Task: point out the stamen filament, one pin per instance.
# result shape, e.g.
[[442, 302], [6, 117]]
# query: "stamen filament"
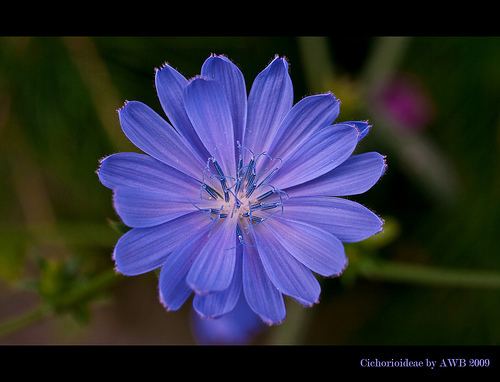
[[213, 193], [269, 206], [268, 177], [265, 195]]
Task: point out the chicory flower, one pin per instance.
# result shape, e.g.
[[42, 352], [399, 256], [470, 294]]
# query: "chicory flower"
[[239, 196]]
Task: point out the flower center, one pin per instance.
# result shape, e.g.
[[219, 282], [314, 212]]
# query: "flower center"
[[248, 195]]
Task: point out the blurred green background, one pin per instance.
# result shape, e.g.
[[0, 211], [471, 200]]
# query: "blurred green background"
[[431, 278]]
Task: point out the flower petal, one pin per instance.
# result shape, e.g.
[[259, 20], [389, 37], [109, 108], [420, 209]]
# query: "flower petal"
[[221, 69], [362, 126], [356, 175], [324, 151], [213, 269], [288, 275], [142, 208], [304, 119], [209, 111], [348, 221], [220, 303], [261, 295], [174, 290], [270, 99], [152, 134], [170, 85], [141, 250], [235, 328], [314, 247], [143, 172]]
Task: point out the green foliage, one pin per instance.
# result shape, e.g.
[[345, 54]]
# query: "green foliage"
[[12, 258]]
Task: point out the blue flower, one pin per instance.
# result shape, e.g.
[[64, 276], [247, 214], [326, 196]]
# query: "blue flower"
[[239, 196], [238, 327]]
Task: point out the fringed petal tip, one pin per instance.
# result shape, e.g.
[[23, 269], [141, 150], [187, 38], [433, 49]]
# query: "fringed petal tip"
[[339, 273], [98, 169], [368, 124], [117, 271], [384, 167], [125, 103], [381, 225], [382, 222], [328, 94], [363, 127], [164, 68], [199, 77], [102, 160], [219, 56], [269, 322], [281, 59], [162, 301], [99, 166], [116, 267], [381, 228], [165, 65], [164, 304], [223, 59], [307, 304]]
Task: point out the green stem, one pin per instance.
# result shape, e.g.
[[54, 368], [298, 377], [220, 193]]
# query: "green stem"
[[386, 55], [426, 275], [78, 295], [24, 320], [318, 67]]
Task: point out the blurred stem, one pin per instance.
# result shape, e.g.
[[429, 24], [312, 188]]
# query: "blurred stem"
[[24, 320], [422, 159], [292, 330], [78, 295], [384, 60], [103, 93], [318, 66], [426, 275]]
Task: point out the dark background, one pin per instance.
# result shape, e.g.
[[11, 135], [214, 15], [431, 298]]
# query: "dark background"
[[440, 195]]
